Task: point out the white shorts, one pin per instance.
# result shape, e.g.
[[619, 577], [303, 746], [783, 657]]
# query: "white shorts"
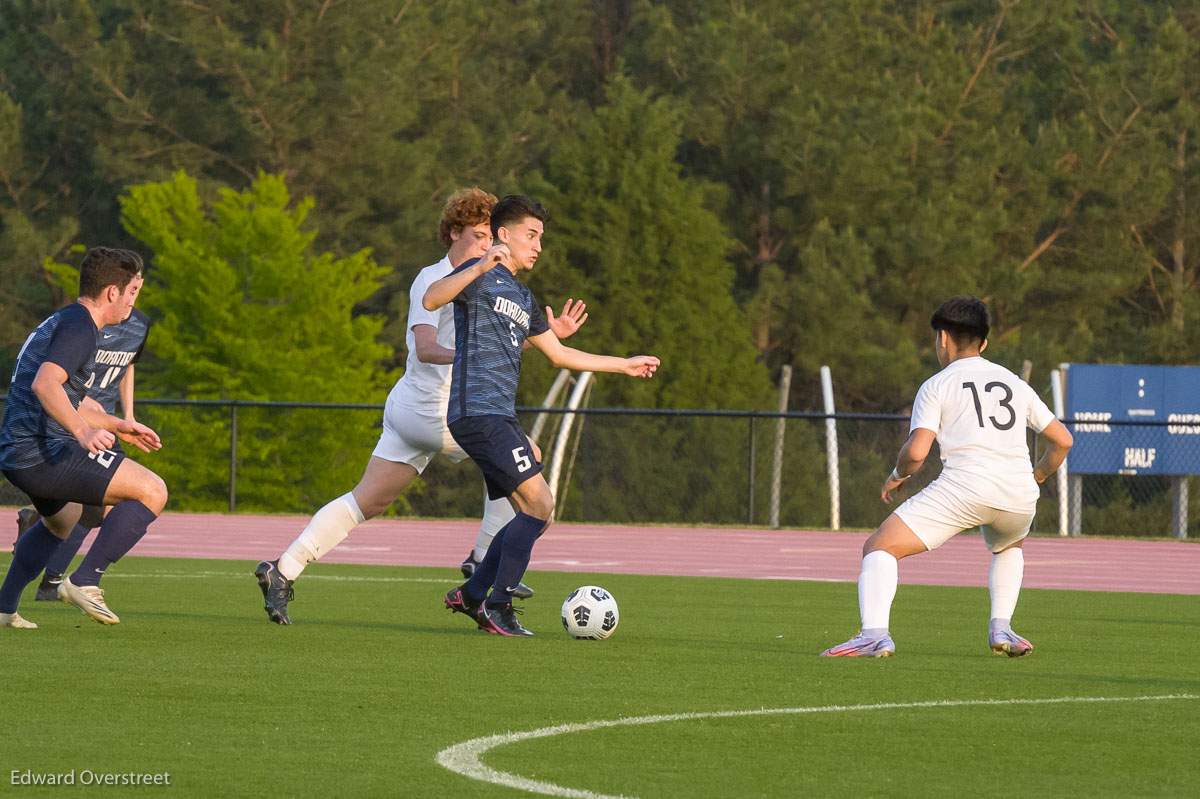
[[414, 438], [940, 512]]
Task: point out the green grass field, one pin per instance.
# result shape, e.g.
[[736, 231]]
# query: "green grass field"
[[376, 678]]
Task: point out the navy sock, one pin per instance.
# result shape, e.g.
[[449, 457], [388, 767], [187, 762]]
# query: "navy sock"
[[485, 573], [30, 556], [123, 527], [523, 530], [60, 561]]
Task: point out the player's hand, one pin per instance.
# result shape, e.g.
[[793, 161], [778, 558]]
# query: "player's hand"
[[641, 366], [571, 319], [890, 485], [496, 254], [537, 451], [96, 440], [139, 435]]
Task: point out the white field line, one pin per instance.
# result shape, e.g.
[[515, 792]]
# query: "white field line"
[[338, 578], [464, 758]]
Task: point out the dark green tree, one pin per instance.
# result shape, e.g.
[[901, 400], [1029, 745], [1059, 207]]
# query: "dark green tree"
[[637, 241]]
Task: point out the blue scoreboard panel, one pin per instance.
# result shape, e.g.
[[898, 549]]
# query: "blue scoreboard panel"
[[1160, 409]]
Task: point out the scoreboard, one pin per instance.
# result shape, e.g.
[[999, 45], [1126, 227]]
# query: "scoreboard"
[[1134, 419]]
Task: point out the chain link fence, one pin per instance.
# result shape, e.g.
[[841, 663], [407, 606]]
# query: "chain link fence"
[[619, 466]]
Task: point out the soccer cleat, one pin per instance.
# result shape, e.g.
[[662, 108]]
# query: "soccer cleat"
[[502, 620], [459, 601], [26, 518], [468, 568], [1006, 642], [14, 620], [89, 599], [277, 591], [861, 646], [47, 590]]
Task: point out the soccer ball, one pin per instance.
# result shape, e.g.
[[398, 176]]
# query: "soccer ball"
[[590, 612]]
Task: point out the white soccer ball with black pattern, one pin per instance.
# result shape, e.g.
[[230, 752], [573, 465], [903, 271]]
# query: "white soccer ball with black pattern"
[[590, 612]]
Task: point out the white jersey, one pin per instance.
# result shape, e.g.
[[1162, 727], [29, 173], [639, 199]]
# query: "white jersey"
[[425, 387], [979, 411]]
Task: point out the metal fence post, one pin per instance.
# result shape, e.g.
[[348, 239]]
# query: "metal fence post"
[[1075, 491], [752, 450], [1179, 506], [233, 437], [1064, 518], [831, 451], [785, 387]]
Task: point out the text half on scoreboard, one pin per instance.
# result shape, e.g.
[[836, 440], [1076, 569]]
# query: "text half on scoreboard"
[[1134, 419]]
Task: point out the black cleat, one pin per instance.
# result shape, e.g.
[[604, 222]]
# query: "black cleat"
[[502, 620], [468, 565], [47, 590], [26, 518], [459, 601], [468, 568], [277, 591]]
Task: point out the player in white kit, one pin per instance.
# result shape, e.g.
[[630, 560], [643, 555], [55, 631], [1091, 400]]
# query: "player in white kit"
[[978, 411], [414, 417]]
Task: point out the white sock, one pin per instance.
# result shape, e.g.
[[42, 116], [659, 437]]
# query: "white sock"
[[496, 514], [1004, 583], [877, 589], [326, 529]]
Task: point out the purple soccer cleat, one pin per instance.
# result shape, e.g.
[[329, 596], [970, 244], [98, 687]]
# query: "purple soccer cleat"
[[1006, 642], [862, 646]]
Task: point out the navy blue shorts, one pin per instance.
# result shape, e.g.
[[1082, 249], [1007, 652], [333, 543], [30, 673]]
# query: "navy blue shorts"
[[76, 475], [500, 448]]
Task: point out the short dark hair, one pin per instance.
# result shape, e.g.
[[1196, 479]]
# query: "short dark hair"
[[965, 319], [107, 266], [512, 208]]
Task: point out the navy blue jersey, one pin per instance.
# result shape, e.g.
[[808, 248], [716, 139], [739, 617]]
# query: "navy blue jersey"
[[29, 436], [492, 318], [117, 346]]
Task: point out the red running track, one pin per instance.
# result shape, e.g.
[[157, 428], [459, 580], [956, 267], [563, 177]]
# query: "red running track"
[[1081, 564]]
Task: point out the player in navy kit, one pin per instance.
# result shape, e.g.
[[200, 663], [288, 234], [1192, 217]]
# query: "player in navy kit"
[[494, 315], [119, 347], [57, 449]]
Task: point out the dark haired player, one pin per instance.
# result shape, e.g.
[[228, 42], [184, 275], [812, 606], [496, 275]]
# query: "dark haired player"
[[58, 450], [494, 315], [414, 419], [119, 347], [978, 412]]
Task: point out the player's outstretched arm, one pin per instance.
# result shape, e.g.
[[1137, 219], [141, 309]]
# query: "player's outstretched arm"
[[1060, 442], [445, 290], [909, 461], [570, 358], [48, 387]]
